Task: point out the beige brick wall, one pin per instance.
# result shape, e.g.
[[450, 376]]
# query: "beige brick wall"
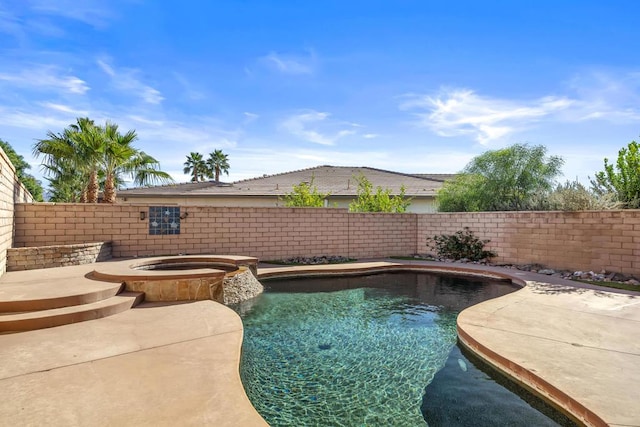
[[11, 191], [267, 233], [568, 240], [587, 240]]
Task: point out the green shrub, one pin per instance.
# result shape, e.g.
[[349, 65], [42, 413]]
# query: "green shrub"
[[461, 244], [573, 196], [305, 195]]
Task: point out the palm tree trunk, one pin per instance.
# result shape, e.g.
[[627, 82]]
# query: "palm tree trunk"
[[92, 188], [217, 174], [109, 195]]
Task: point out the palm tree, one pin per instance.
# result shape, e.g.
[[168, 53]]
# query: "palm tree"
[[83, 152], [119, 158], [196, 166], [218, 162], [66, 185], [74, 151]]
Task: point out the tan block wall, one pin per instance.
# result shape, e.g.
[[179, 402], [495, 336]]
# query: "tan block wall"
[[587, 240], [267, 233], [11, 191], [379, 235], [57, 256]]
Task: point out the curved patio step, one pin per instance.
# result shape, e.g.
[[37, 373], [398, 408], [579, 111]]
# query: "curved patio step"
[[47, 296], [66, 315]]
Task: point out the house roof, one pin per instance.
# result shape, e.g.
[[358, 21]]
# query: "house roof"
[[335, 180], [436, 176]]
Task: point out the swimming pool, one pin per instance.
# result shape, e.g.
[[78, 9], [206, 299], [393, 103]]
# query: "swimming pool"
[[363, 351]]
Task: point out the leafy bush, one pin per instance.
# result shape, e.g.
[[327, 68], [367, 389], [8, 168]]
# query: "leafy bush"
[[305, 195], [378, 200], [461, 244], [573, 196], [621, 178]]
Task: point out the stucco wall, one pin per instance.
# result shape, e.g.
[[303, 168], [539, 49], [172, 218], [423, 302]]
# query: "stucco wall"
[[11, 191]]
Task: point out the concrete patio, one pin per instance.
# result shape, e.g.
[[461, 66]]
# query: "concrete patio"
[[177, 364]]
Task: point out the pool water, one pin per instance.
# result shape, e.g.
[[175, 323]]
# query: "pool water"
[[359, 351]]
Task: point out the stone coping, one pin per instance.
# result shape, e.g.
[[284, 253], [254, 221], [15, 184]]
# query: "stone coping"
[[126, 270]]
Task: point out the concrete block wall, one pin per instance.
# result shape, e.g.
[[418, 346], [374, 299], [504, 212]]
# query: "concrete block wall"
[[11, 191], [586, 240], [590, 240], [267, 233]]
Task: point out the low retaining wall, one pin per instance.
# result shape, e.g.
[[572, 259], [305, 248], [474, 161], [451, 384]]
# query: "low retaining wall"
[[57, 256]]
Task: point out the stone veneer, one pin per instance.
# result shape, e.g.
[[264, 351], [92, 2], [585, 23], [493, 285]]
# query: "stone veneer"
[[57, 256]]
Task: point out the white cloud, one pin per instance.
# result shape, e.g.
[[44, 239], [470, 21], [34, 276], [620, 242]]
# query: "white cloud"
[[291, 64], [463, 112], [250, 117], [306, 126], [64, 108], [46, 77], [91, 12], [370, 135], [593, 95], [126, 80], [606, 95], [35, 120]]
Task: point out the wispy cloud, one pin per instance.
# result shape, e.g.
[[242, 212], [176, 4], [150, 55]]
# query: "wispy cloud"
[[126, 80], [606, 95], [290, 63], [64, 109], [188, 89], [42, 120], [10, 23], [250, 117], [593, 95], [457, 112], [307, 127], [46, 77], [92, 12]]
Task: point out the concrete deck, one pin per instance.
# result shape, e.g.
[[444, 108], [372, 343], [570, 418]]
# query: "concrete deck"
[[161, 364], [153, 365]]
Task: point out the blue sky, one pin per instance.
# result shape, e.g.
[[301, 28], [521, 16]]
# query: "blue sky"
[[412, 86]]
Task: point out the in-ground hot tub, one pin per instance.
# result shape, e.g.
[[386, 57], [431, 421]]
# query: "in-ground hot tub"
[[223, 278]]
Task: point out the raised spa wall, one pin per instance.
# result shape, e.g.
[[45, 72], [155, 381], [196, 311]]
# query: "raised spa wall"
[[229, 279]]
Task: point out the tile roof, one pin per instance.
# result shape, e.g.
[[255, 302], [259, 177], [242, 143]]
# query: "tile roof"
[[336, 180]]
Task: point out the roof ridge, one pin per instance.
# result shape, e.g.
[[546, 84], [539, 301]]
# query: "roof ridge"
[[281, 173], [172, 185], [400, 173]]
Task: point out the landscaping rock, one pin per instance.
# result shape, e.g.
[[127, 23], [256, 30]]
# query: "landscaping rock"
[[317, 260]]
